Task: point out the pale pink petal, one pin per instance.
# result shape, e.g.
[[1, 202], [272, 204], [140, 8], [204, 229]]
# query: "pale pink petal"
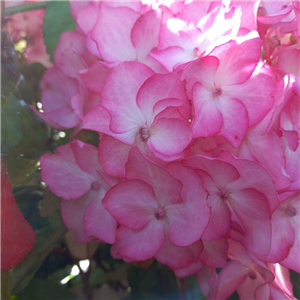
[[86, 18]]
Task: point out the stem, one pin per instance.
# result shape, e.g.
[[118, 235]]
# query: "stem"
[[25, 7]]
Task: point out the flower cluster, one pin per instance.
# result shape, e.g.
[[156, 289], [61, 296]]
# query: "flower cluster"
[[197, 107]]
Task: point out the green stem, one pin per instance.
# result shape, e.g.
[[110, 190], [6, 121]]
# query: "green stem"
[[25, 7]]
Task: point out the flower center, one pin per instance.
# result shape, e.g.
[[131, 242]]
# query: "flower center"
[[223, 195], [217, 91], [95, 185], [144, 133], [159, 213]]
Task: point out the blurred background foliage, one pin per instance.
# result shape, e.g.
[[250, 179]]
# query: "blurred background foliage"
[[59, 267]]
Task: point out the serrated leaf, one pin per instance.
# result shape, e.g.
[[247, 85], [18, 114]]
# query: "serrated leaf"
[[57, 20]]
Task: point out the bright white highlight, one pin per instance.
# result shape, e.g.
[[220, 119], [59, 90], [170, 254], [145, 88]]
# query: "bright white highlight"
[[84, 265]]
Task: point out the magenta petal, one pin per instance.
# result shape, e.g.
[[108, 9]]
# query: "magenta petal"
[[137, 245], [214, 253], [132, 203], [169, 136], [99, 223]]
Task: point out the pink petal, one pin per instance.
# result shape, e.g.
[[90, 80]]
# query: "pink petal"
[[73, 212], [252, 209], [145, 32], [63, 175], [169, 136], [178, 257], [132, 203], [136, 245], [207, 118], [230, 278], [255, 95], [113, 155], [99, 223], [159, 87], [119, 96], [237, 60], [94, 77], [112, 33], [166, 187], [235, 120]]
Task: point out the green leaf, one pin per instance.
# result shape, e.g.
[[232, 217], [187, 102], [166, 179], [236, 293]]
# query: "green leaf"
[[21, 170], [21, 131], [6, 284], [57, 20], [49, 204], [40, 289]]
